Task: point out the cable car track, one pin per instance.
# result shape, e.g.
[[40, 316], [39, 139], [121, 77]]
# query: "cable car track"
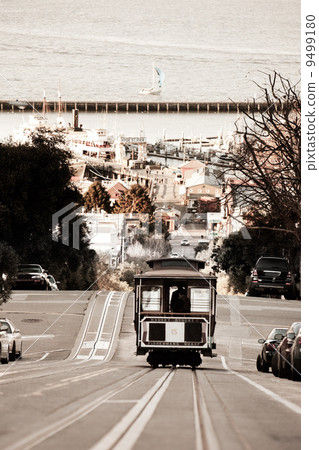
[[126, 433], [99, 346], [63, 418], [128, 429], [204, 431]]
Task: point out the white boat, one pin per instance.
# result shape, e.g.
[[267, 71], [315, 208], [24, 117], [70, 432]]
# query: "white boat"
[[155, 89], [22, 135], [37, 121], [95, 143]]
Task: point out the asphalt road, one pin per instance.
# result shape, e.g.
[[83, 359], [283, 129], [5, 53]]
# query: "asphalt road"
[[192, 232], [80, 386]]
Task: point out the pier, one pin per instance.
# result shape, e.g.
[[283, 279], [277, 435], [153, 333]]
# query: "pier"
[[133, 107]]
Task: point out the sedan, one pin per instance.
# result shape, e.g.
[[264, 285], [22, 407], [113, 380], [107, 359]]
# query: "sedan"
[[268, 349], [296, 358], [14, 339], [4, 345], [281, 362], [185, 242], [31, 276]]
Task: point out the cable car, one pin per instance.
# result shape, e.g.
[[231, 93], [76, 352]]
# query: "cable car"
[[175, 312]]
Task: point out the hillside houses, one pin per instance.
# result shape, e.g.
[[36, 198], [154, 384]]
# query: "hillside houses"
[[201, 184], [190, 168], [116, 189]]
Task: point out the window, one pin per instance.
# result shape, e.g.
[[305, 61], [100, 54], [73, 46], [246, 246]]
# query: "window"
[[179, 263], [151, 298], [6, 324], [272, 264], [200, 299]]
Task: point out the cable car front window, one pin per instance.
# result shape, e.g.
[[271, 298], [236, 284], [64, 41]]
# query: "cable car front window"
[[200, 299], [151, 298]]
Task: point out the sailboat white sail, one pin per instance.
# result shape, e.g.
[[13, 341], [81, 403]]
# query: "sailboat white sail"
[[160, 81]]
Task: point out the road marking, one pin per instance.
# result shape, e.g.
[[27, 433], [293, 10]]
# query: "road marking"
[[19, 297], [38, 336], [255, 324], [88, 344], [296, 409], [235, 347], [257, 307], [244, 342], [104, 345], [43, 357], [245, 359], [68, 381], [22, 362], [136, 419], [121, 401]]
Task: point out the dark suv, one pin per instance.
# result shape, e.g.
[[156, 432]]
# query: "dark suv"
[[271, 275]]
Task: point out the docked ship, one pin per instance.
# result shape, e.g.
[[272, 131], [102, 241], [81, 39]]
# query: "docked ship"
[[96, 143]]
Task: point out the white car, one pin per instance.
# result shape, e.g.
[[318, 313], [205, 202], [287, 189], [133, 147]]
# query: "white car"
[[4, 345], [53, 285], [174, 255], [185, 242], [14, 338]]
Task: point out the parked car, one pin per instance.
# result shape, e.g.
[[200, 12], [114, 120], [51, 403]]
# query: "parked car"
[[174, 255], [4, 345], [272, 275], [185, 242], [14, 337], [268, 348], [31, 276], [295, 368], [53, 285], [281, 362], [204, 242]]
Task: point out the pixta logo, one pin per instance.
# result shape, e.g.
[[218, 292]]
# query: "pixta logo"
[[118, 228], [66, 223]]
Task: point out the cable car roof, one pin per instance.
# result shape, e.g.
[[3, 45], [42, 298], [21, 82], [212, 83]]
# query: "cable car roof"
[[175, 268], [175, 274], [167, 262]]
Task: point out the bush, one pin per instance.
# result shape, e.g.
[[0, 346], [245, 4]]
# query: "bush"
[[147, 247], [8, 268]]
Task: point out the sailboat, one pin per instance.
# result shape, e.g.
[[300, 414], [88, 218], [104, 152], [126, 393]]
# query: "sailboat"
[[155, 90]]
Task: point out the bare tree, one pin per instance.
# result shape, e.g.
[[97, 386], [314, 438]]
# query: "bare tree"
[[267, 162]]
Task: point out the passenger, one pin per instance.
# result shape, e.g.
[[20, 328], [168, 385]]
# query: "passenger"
[[179, 302]]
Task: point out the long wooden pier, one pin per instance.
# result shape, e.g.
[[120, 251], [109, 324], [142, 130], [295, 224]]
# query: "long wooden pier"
[[133, 107]]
